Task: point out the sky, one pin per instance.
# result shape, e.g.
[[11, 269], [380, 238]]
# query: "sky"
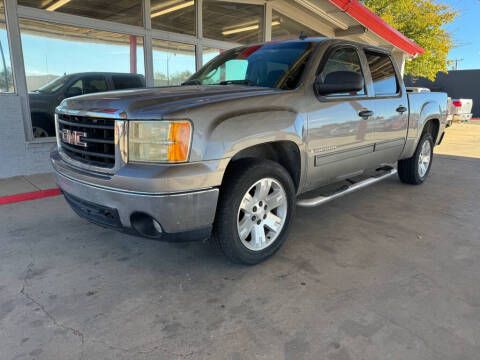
[[466, 33]]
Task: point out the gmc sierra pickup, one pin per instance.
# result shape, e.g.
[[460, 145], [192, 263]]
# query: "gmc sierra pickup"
[[255, 132]]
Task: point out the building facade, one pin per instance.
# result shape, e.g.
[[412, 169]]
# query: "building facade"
[[44, 42], [458, 84]]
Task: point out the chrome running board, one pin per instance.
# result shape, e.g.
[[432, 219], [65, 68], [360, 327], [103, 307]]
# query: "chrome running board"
[[320, 200]]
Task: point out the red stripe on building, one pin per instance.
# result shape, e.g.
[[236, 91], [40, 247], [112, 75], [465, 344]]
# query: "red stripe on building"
[[374, 23]]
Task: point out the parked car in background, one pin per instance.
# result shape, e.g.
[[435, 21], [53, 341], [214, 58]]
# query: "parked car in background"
[[461, 110], [411, 89], [45, 99], [257, 131], [450, 110]]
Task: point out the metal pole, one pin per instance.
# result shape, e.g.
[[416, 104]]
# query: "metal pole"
[[5, 73], [133, 54]]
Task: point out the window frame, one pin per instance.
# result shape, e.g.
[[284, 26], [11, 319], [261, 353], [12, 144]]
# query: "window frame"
[[399, 83], [195, 50], [366, 75], [10, 46]]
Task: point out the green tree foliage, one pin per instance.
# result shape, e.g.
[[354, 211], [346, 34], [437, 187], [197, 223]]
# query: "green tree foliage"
[[422, 21], [177, 78]]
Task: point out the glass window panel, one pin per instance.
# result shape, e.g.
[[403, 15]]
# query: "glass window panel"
[[173, 62], [285, 28], [208, 53], [233, 22], [63, 61], [275, 65], [6, 76], [173, 15], [383, 74], [121, 11], [345, 59]]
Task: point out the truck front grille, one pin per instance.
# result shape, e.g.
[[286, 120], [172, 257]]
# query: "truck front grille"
[[98, 148]]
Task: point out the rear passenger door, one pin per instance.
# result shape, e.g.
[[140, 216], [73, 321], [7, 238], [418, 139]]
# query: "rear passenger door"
[[391, 107], [92, 84], [127, 82]]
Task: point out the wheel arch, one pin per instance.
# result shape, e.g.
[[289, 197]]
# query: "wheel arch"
[[284, 152]]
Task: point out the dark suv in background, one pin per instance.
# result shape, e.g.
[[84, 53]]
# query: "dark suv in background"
[[45, 99]]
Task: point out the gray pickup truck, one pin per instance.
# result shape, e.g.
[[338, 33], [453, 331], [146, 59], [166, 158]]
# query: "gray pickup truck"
[[255, 132]]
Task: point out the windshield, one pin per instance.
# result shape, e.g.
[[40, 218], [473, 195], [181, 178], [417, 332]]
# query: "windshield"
[[53, 85], [273, 65]]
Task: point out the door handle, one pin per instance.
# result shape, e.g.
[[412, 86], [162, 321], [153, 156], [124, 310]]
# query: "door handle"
[[365, 113], [401, 109]]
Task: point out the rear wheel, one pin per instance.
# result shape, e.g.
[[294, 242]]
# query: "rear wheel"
[[415, 169], [255, 209]]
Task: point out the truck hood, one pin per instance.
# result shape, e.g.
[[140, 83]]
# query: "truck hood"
[[154, 103]]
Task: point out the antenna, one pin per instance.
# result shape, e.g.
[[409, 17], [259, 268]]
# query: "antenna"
[[302, 36]]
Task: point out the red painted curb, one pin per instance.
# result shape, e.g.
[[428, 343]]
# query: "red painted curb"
[[4, 200]]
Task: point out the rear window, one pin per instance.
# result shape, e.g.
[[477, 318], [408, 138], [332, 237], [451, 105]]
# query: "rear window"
[[383, 74], [126, 82]]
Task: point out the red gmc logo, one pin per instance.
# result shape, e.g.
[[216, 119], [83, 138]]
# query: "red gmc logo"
[[73, 137]]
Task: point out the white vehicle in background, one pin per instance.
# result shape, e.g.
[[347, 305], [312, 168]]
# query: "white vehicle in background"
[[416, 90], [457, 109], [460, 110]]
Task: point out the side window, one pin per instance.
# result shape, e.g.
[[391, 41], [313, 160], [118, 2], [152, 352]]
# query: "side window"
[[94, 84], [77, 85], [383, 74], [344, 59], [126, 82]]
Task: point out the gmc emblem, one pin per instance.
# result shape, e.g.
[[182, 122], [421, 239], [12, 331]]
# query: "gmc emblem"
[[73, 137]]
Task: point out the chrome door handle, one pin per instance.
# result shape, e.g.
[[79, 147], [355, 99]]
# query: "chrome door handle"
[[365, 113], [401, 109]]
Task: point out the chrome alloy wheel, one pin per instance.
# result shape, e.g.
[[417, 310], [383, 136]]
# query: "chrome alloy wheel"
[[424, 158], [262, 213]]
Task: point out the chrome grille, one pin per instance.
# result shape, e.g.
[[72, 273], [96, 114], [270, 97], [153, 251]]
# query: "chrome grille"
[[99, 142]]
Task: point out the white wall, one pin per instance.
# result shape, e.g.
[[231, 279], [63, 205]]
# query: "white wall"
[[16, 156]]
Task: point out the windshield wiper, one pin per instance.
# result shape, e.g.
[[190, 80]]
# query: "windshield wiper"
[[192, 82], [239, 82]]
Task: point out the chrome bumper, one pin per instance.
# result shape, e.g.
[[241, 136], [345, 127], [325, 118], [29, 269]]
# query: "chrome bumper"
[[175, 212]]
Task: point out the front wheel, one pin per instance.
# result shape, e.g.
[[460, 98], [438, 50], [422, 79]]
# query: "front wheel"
[[256, 205], [415, 169]]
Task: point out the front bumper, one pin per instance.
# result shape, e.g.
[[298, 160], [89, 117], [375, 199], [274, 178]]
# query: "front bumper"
[[182, 216]]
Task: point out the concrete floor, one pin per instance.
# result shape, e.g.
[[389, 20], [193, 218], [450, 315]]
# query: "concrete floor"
[[390, 272]]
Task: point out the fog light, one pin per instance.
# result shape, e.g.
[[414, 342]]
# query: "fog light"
[[146, 225]]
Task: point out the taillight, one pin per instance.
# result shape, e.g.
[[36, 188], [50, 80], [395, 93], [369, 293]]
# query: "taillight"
[[457, 103]]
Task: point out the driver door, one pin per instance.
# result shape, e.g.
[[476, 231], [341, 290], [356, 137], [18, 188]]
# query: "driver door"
[[341, 126]]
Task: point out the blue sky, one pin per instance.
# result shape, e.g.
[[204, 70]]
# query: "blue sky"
[[466, 33]]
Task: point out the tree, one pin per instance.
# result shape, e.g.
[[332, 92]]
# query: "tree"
[[422, 21], [6, 86]]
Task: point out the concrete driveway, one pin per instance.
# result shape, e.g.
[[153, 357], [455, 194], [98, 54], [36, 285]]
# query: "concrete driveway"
[[390, 272]]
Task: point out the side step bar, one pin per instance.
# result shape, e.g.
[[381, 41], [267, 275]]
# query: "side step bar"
[[320, 200]]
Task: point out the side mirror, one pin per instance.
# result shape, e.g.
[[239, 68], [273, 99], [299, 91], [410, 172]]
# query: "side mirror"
[[339, 82], [73, 91]]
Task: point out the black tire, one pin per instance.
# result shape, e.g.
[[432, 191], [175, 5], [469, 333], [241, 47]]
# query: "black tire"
[[241, 177], [408, 169]]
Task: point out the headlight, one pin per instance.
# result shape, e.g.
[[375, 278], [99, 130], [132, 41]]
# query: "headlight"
[[159, 141]]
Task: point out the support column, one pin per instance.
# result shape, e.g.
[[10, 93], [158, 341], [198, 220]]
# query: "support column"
[[18, 67], [268, 22], [133, 54]]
